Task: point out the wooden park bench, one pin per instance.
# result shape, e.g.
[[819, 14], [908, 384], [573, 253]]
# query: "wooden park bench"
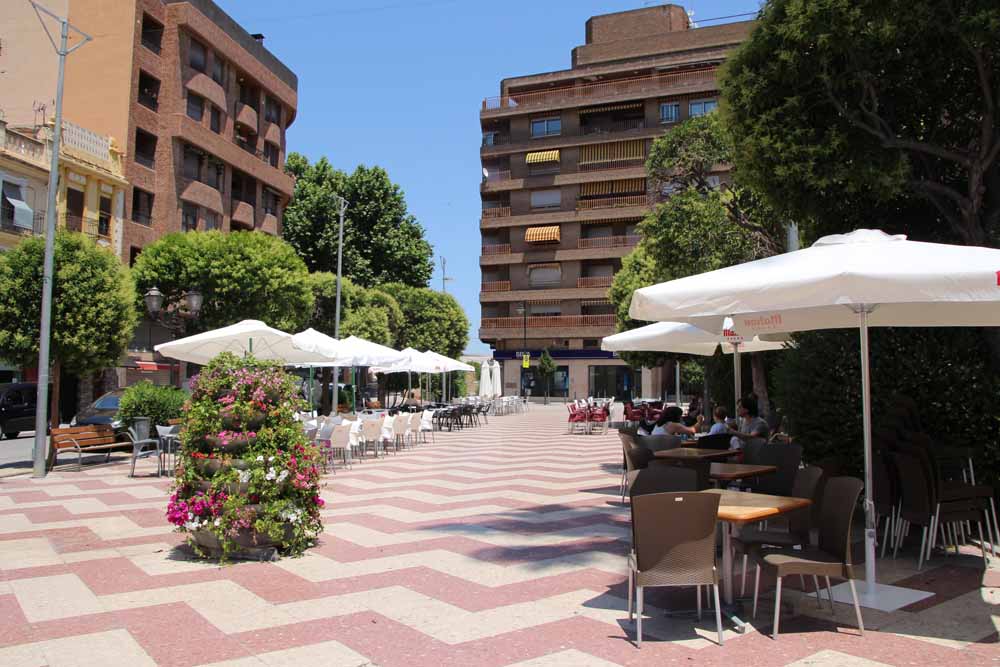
[[80, 439]]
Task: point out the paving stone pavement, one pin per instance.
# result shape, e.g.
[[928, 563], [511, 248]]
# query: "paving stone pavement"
[[498, 545]]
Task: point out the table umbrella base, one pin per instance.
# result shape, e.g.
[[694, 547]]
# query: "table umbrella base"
[[882, 597]]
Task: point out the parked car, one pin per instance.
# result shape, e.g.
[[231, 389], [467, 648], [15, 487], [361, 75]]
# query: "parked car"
[[102, 411], [17, 408]]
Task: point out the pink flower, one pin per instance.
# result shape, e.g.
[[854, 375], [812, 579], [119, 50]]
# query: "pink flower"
[[319, 501]]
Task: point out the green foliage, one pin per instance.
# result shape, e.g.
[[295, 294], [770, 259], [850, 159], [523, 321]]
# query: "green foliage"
[[383, 242], [160, 403], [368, 313], [433, 320], [368, 322], [546, 369], [241, 275], [247, 471], [841, 106], [93, 306], [818, 383]]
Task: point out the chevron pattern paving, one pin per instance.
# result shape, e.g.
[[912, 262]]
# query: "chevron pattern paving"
[[499, 545]]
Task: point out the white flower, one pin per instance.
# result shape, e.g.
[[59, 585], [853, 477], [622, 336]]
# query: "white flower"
[[260, 459], [218, 522], [271, 474], [282, 476], [244, 476], [270, 459]]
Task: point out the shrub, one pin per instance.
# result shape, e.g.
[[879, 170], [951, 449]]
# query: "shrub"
[[160, 403]]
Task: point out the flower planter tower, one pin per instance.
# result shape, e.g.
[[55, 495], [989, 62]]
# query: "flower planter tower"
[[247, 481]]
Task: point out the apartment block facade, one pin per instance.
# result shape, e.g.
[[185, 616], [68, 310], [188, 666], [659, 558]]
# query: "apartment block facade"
[[197, 104], [564, 188]]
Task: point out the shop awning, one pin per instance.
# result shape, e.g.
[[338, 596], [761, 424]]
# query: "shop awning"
[[624, 186], [542, 156], [547, 234], [619, 150]]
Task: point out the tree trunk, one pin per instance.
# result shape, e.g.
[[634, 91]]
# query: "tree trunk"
[[760, 384], [324, 395], [54, 395]]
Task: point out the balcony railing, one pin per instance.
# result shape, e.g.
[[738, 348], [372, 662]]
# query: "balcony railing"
[[497, 212], [640, 86], [548, 321], [494, 175], [7, 222], [623, 163], [609, 242], [594, 281], [612, 202], [496, 286], [496, 140], [615, 126], [496, 249], [93, 227]]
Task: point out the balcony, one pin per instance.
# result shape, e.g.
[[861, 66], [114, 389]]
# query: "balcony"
[[246, 115], [496, 249], [27, 148], [614, 126], [496, 175], [495, 286], [580, 95], [594, 281], [623, 163], [612, 202], [495, 139], [94, 228], [497, 212], [609, 242], [7, 223], [243, 212], [548, 321]]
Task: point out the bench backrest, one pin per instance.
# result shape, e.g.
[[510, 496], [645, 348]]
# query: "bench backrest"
[[84, 436]]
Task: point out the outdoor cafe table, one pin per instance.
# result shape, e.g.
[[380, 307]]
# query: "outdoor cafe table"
[[730, 472], [695, 454], [738, 508]]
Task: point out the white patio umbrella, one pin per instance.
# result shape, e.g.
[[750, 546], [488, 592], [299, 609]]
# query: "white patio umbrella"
[[246, 337], [681, 338], [496, 370], [862, 279], [448, 365], [412, 361], [486, 380]]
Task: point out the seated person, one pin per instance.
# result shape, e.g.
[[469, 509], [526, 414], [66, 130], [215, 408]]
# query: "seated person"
[[670, 423], [751, 425], [719, 416]]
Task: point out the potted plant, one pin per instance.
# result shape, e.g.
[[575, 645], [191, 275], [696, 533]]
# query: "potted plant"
[[248, 482]]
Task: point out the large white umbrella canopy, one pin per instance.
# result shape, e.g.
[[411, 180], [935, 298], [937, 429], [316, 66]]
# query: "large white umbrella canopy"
[[354, 351], [243, 338], [318, 343], [862, 279], [412, 361], [449, 364], [496, 370], [485, 381]]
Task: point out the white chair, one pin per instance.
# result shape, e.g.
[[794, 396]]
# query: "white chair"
[[340, 443], [371, 435], [414, 423], [324, 432], [169, 442], [427, 424], [386, 434], [400, 429]]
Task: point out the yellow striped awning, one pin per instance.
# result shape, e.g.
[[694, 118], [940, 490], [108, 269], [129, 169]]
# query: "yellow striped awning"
[[595, 302], [545, 265], [609, 221], [542, 156], [545, 234], [624, 186], [634, 149], [626, 106]]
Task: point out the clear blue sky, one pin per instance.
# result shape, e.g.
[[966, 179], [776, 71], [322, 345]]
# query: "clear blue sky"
[[398, 84]]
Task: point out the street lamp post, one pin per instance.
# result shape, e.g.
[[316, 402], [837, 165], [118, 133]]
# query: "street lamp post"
[[522, 310], [336, 309], [173, 319]]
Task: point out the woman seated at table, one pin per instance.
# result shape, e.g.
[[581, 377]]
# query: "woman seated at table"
[[751, 425], [670, 423]]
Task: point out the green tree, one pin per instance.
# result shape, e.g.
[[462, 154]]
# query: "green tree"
[[433, 320], [383, 242], [546, 369], [160, 403], [241, 275], [93, 307], [841, 106]]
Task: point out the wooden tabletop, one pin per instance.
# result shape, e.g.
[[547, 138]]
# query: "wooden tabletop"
[[731, 471], [693, 453], [739, 507]]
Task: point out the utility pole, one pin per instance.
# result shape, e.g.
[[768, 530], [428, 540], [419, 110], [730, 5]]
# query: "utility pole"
[[340, 261], [444, 275], [42, 401]]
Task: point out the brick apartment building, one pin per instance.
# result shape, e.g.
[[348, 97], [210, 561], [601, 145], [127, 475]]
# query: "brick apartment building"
[[564, 186]]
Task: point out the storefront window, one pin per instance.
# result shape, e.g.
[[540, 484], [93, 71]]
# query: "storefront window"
[[621, 382], [533, 384]]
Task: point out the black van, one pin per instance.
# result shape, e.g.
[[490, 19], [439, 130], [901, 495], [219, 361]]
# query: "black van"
[[17, 408]]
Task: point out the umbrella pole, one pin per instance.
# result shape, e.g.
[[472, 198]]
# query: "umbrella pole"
[[677, 381], [866, 414], [737, 370], [312, 405]]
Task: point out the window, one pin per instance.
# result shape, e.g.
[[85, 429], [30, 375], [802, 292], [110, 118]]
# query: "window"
[[214, 174], [195, 106], [271, 154], [13, 208], [546, 127], [702, 107], [196, 55], [544, 310], [243, 188], [142, 207], [133, 254], [149, 91], [152, 33], [189, 217], [670, 112], [211, 221], [192, 163], [546, 198], [145, 148], [104, 217], [270, 201], [215, 119], [544, 275], [249, 95], [490, 138], [272, 110], [246, 140], [218, 69]]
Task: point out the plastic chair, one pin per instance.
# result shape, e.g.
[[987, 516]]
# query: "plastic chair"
[[142, 445]]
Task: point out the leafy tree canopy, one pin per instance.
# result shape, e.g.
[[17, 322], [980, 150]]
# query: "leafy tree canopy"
[[241, 275], [370, 313], [433, 320], [839, 106], [93, 304], [383, 242]]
